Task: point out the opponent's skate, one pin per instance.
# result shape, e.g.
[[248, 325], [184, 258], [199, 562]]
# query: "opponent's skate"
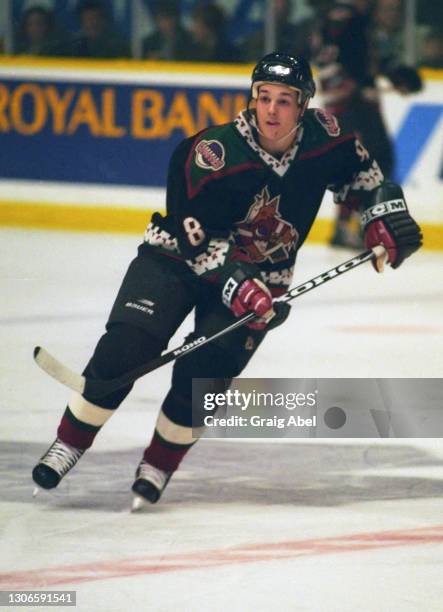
[[149, 484], [55, 463]]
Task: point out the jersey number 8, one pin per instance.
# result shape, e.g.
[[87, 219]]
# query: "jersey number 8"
[[194, 231]]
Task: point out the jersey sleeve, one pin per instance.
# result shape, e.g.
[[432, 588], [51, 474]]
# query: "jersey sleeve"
[[202, 229], [355, 175]]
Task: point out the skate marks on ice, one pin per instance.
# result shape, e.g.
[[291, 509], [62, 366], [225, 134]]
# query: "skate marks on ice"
[[215, 472]]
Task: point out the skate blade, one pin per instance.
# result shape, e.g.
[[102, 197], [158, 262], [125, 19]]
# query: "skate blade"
[[36, 491], [139, 503]]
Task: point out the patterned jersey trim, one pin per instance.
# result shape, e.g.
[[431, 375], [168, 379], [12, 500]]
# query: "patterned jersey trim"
[[279, 166]]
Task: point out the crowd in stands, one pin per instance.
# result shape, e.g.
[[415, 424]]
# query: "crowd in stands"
[[204, 37], [38, 33]]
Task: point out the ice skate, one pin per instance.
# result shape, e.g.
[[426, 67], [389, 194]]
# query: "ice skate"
[[55, 463], [148, 486]]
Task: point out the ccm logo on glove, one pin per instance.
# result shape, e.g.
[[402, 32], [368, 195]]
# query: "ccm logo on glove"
[[382, 209], [388, 222]]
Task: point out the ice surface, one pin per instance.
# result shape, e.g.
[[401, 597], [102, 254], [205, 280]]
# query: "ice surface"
[[321, 525]]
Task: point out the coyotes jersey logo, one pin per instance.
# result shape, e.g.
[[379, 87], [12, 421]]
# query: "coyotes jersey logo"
[[328, 121], [263, 234]]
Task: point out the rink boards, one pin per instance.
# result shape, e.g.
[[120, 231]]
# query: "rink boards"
[[85, 145]]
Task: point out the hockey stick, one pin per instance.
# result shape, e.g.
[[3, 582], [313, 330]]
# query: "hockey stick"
[[99, 388]]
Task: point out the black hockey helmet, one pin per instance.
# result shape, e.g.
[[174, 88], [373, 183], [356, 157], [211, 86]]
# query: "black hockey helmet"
[[293, 71]]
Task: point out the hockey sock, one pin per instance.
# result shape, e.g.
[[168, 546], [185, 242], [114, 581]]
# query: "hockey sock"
[[81, 422], [177, 428], [121, 349], [169, 444], [164, 455]]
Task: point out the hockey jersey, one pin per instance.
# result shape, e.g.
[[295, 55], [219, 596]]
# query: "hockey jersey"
[[229, 199]]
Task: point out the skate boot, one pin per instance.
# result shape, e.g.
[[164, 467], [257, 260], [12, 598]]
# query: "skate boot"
[[149, 484], [55, 463]]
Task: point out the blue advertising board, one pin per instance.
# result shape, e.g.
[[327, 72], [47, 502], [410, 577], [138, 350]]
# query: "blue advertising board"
[[107, 132]]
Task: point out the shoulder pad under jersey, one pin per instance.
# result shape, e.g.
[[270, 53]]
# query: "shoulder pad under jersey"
[[322, 132], [322, 123], [215, 153]]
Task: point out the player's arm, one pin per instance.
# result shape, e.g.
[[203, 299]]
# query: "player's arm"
[[385, 216]]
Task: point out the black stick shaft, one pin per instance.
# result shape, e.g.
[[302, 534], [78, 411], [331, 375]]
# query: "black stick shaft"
[[99, 388]]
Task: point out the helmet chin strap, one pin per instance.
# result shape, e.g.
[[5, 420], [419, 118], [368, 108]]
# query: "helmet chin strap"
[[294, 129]]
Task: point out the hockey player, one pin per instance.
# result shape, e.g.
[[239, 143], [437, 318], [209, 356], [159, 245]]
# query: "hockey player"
[[347, 66], [241, 199]]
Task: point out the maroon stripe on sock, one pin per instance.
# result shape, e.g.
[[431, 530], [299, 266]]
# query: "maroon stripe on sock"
[[69, 433], [163, 458]]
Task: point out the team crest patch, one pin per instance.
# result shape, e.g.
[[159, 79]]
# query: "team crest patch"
[[263, 234], [210, 155], [328, 121]]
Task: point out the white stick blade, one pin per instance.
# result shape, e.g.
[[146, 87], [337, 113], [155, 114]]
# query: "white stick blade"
[[58, 371]]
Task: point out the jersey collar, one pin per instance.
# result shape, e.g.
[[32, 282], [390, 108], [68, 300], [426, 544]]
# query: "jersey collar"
[[246, 124]]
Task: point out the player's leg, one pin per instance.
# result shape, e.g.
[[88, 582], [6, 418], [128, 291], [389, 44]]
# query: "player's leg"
[[152, 302], [180, 424]]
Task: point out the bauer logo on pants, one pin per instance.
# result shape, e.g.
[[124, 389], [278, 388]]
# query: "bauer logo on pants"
[[143, 305]]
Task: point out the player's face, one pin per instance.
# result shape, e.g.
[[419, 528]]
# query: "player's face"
[[278, 112]]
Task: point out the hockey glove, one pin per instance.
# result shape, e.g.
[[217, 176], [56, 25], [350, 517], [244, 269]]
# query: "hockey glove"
[[243, 292], [388, 222]]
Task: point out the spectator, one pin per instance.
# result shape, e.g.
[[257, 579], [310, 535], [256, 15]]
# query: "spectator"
[[431, 52], [430, 13], [346, 74], [290, 38], [170, 40], [209, 40], [97, 37], [346, 79], [388, 21], [38, 35]]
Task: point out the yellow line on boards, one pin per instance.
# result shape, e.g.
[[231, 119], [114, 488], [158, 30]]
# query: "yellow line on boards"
[[432, 74], [134, 220], [24, 61], [125, 65]]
